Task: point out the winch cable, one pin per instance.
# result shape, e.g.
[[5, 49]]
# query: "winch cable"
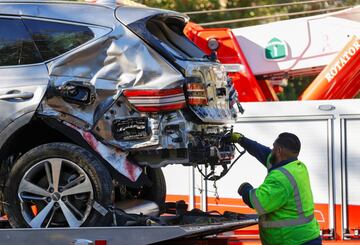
[[212, 177]]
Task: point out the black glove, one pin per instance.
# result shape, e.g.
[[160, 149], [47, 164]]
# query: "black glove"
[[245, 188]]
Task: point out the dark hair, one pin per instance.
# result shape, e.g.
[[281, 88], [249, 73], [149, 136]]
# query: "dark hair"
[[289, 141]]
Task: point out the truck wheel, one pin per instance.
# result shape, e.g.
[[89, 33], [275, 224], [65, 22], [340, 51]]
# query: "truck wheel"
[[56, 185]]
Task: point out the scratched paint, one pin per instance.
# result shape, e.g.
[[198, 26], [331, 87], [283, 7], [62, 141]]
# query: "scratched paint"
[[116, 157]]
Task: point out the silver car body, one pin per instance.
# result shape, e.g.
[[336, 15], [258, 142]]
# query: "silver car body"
[[115, 60]]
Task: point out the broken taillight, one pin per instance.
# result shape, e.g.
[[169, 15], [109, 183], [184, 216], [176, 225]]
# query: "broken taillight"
[[151, 100], [196, 94]]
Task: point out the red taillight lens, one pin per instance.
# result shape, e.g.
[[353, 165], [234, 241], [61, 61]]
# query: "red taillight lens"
[[196, 94], [158, 100]]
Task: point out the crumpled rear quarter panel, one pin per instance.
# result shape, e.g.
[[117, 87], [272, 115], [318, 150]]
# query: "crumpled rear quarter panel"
[[110, 64], [116, 61]]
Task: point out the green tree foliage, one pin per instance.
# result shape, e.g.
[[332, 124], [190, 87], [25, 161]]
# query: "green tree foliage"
[[278, 10], [261, 12], [203, 5], [185, 6], [182, 5], [295, 87]]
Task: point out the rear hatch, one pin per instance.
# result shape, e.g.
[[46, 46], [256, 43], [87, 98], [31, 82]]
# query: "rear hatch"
[[206, 86]]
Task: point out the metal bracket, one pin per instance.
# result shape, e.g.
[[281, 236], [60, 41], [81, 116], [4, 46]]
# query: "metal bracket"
[[98, 207]]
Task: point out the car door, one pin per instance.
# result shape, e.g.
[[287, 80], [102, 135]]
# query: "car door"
[[23, 75]]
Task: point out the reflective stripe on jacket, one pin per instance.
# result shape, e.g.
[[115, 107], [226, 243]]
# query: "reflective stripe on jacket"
[[285, 206]]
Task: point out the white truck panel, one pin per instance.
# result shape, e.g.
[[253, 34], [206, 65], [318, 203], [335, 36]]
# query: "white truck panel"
[[353, 160]]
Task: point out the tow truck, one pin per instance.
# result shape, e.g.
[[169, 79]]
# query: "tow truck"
[[260, 59]]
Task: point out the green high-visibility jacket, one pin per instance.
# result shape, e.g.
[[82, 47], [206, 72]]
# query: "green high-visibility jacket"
[[285, 206]]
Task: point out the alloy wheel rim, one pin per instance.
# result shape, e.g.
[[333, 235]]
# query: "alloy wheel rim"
[[55, 193]]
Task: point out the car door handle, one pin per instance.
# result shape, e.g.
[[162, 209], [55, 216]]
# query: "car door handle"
[[23, 96]]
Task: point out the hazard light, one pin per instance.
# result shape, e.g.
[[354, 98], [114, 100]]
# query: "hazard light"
[[156, 100]]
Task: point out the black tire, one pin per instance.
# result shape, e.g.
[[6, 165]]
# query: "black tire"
[[74, 156], [156, 192]]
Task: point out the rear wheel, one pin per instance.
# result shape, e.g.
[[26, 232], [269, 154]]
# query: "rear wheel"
[[157, 191], [56, 185]]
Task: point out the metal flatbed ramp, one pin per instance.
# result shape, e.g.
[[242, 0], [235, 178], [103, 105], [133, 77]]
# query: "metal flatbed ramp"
[[116, 235]]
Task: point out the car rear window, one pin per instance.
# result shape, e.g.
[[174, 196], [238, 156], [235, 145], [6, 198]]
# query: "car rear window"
[[170, 33], [16, 45], [54, 38]]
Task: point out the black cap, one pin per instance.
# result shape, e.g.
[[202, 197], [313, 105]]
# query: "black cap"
[[289, 141]]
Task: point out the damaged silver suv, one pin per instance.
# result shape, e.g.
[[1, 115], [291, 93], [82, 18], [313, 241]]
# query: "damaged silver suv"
[[94, 101]]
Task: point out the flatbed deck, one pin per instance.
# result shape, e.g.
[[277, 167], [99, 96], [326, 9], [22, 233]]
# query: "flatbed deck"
[[116, 235]]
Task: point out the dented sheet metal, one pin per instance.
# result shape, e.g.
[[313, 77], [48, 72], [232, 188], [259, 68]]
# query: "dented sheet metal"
[[87, 93], [99, 71], [112, 63]]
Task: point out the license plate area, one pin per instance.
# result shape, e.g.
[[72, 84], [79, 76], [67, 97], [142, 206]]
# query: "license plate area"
[[131, 129]]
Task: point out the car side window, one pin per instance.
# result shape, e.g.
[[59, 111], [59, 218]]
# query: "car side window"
[[54, 38], [16, 44]]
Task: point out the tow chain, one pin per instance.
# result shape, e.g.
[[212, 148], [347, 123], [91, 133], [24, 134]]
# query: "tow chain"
[[216, 194]]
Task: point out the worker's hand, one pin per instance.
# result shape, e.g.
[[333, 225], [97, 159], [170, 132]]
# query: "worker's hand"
[[244, 187], [233, 137]]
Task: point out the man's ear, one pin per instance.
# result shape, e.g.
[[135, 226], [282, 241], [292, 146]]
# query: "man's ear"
[[280, 150]]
